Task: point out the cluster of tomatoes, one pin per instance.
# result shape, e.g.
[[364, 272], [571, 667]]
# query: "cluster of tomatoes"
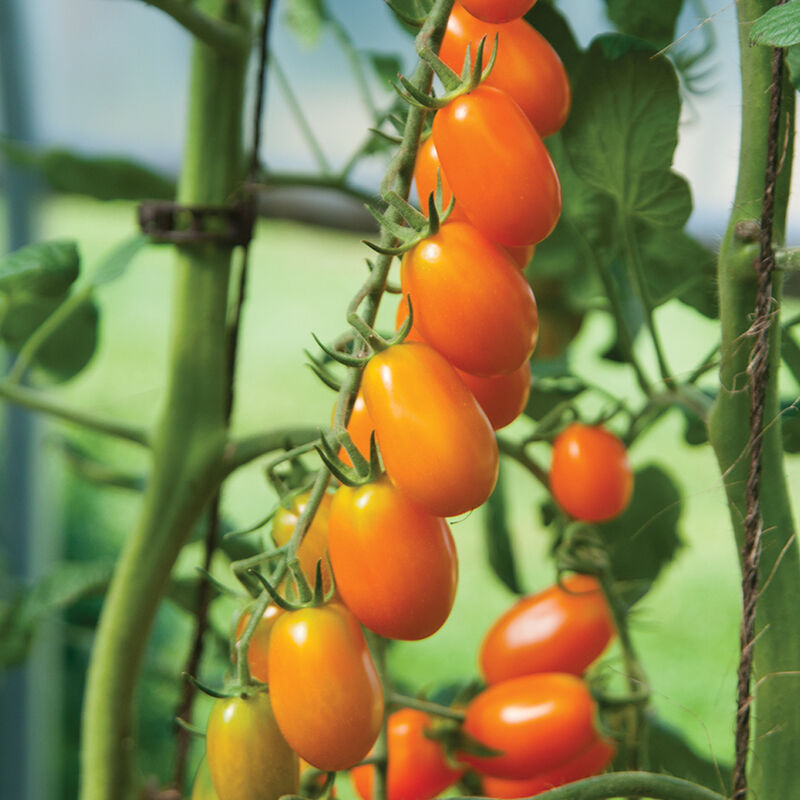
[[433, 403]]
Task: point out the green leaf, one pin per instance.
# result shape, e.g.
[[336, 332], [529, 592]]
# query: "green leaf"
[[666, 751], [779, 27], [622, 131], [306, 18], [67, 583], [386, 66], [46, 269], [654, 22], [104, 177], [498, 539], [547, 393], [646, 537], [793, 63], [65, 353], [115, 263]]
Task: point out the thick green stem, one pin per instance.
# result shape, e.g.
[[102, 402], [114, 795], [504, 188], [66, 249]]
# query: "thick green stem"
[[190, 440], [777, 649]]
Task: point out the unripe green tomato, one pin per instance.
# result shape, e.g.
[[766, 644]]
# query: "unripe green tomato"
[[248, 758]]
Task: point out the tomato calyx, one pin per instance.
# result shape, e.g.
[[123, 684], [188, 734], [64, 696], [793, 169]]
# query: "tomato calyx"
[[306, 595]]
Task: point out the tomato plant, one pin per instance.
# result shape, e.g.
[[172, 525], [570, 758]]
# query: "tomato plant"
[[536, 722], [248, 758], [375, 525], [436, 442], [590, 476], [418, 769], [470, 301], [498, 167], [562, 629], [324, 686], [526, 68]]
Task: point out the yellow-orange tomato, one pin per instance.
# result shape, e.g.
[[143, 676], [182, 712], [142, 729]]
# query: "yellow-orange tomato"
[[471, 302], [202, 788], [591, 762], [248, 758], [315, 542], [537, 723], [324, 687], [360, 429], [498, 10], [527, 68], [498, 167], [502, 397], [418, 769], [590, 476], [522, 255], [562, 629], [426, 168], [257, 652], [437, 444], [395, 565]]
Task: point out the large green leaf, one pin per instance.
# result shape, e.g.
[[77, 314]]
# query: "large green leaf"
[[555, 28], [104, 177], [779, 27], [306, 19], [67, 583], [498, 539], [666, 751], [47, 269], [646, 537], [622, 132], [653, 21]]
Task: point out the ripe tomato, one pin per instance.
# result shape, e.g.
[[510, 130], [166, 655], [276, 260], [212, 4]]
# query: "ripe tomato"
[[498, 10], [522, 255], [417, 769], [315, 543], [498, 167], [527, 68], [470, 301], [538, 722], [360, 429], [437, 444], [258, 651], [395, 565], [502, 397], [425, 171], [202, 788], [324, 687], [591, 762], [248, 758], [557, 630], [590, 476]]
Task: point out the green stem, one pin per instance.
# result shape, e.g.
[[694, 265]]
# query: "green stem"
[[630, 784], [190, 440], [275, 178], [518, 453], [377, 646], [427, 706], [226, 37], [777, 647], [245, 449], [45, 403]]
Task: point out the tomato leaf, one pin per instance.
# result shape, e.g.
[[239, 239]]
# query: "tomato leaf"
[[306, 19], [104, 177], [646, 537], [666, 751], [47, 269], [779, 27], [386, 66], [499, 547], [793, 63], [555, 28], [654, 22]]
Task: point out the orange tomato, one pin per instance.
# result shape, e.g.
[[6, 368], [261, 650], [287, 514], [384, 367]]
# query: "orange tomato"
[[418, 769], [498, 167], [537, 722], [471, 302], [527, 68], [324, 686], [498, 10], [395, 565], [558, 630], [437, 444], [257, 653], [590, 476], [591, 762], [360, 429], [426, 168], [502, 397]]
